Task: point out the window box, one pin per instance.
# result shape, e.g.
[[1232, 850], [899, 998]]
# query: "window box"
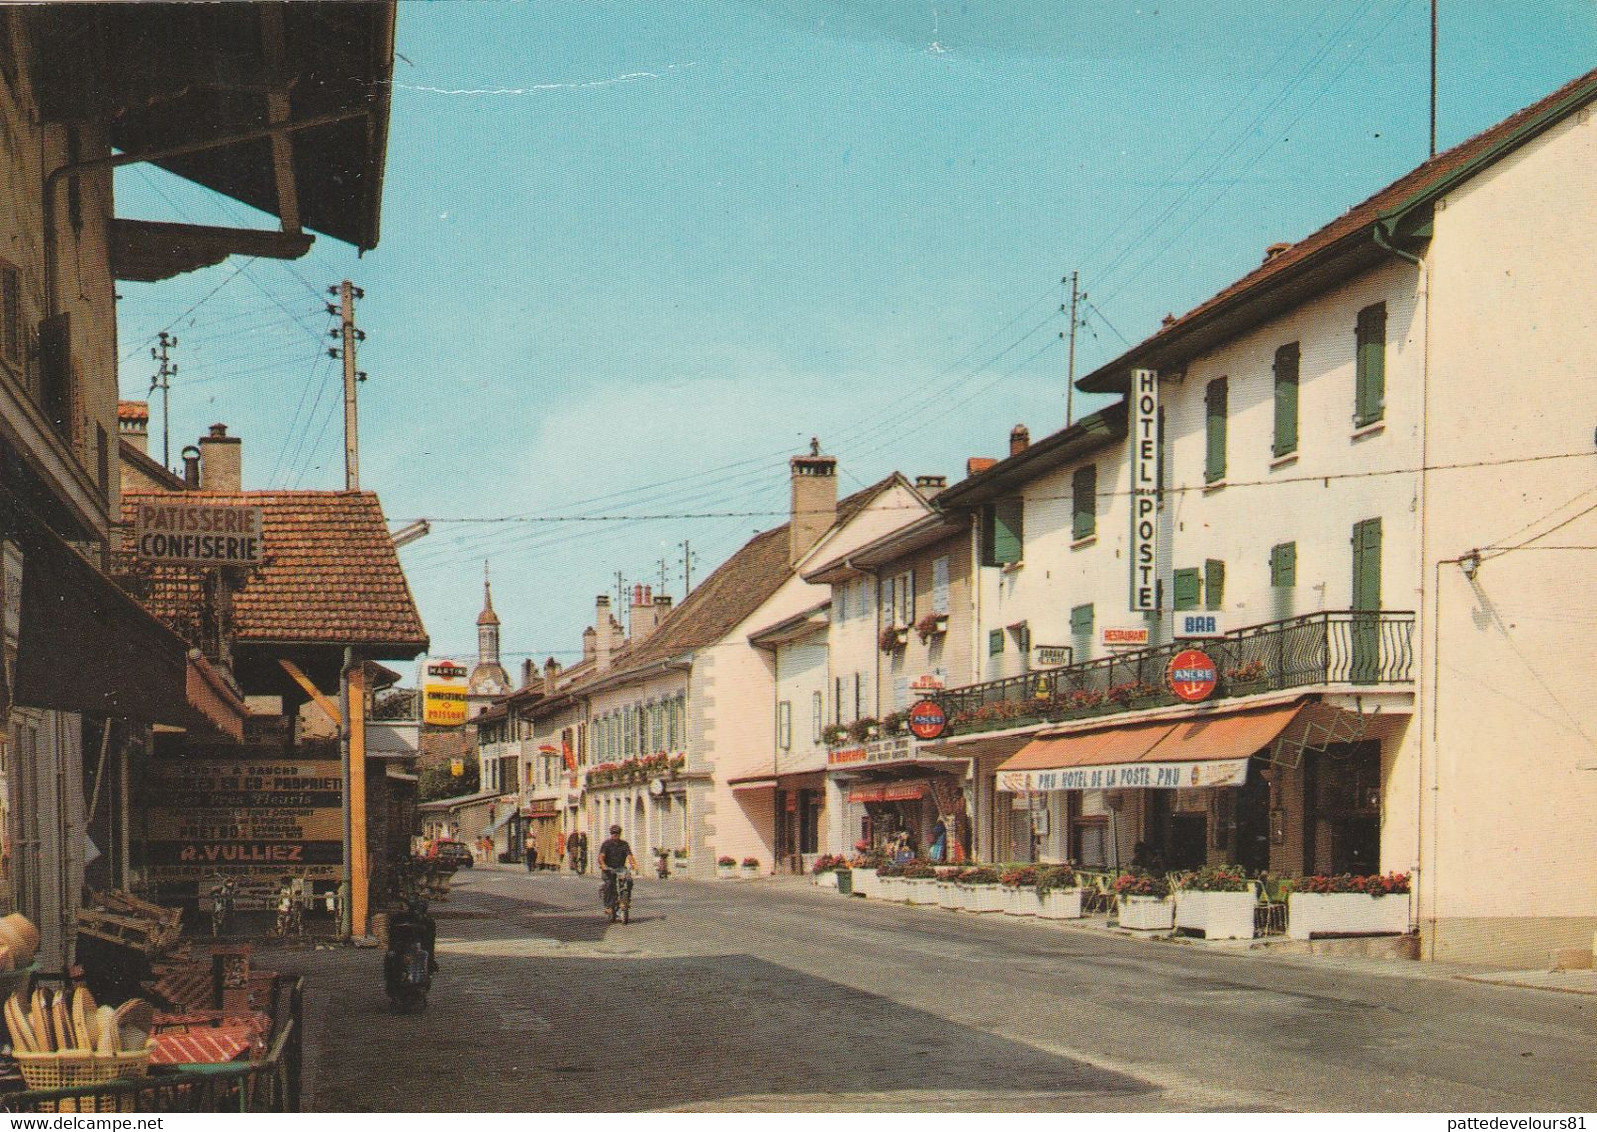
[[1059, 904], [1312, 915], [1217, 915], [1021, 901], [867, 883], [726, 870], [1147, 913], [828, 879], [919, 890]]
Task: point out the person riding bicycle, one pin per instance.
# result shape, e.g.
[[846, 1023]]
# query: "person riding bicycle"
[[614, 855]]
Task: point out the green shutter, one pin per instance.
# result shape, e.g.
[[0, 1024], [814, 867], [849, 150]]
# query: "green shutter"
[[1286, 399], [1081, 620], [1367, 565], [995, 642], [1188, 585], [1370, 366], [1284, 565], [1213, 583], [1214, 398], [1002, 533], [1084, 491]]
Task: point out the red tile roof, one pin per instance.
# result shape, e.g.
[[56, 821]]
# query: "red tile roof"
[[133, 410], [1418, 187], [331, 575]]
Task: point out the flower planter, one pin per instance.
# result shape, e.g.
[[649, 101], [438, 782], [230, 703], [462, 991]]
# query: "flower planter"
[[918, 891], [1317, 914], [679, 866], [1060, 904], [827, 879], [1218, 915], [866, 883], [1252, 688], [749, 872], [726, 872], [1147, 913], [1017, 901], [948, 894], [986, 898], [889, 888]]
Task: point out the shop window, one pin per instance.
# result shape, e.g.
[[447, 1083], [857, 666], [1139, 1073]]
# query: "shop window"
[[1214, 399], [1188, 588], [1002, 532], [1286, 400], [1084, 501], [1369, 394], [1213, 583], [1089, 841], [1284, 565]]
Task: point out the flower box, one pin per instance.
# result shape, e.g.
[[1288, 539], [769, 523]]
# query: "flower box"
[[1313, 914], [1018, 901], [1218, 915], [1059, 904], [987, 898], [679, 866], [919, 891], [948, 894], [890, 888], [1147, 913], [749, 872], [726, 872], [866, 883], [828, 879]]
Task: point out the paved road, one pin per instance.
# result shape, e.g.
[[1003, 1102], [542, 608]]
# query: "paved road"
[[773, 995]]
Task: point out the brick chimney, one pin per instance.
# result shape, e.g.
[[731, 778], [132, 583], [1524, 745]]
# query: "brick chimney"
[[529, 673], [602, 629], [221, 461], [931, 487], [551, 673], [1019, 439], [191, 468], [978, 464], [644, 616], [133, 424], [590, 643], [814, 497]]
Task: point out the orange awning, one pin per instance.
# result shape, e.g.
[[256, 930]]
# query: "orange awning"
[[1212, 750]]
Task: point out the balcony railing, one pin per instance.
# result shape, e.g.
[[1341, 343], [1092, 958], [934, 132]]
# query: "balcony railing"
[[1353, 647]]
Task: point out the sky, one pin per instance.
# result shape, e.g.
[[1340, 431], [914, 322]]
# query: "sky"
[[635, 255]]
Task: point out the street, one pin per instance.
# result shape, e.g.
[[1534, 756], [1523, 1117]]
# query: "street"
[[774, 995]]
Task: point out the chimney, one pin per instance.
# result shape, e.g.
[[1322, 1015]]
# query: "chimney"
[[529, 673], [191, 468], [645, 615], [931, 487], [221, 460], [590, 643], [133, 424], [976, 465], [603, 632], [814, 498], [551, 671], [1274, 250], [1019, 439]]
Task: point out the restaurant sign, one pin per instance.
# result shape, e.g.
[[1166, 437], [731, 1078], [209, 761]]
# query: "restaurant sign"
[[244, 816], [1123, 636], [900, 748], [201, 534], [1123, 776]]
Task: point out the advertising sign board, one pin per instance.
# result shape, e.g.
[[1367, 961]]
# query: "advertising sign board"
[[202, 534], [1051, 656], [444, 694], [1144, 490], [1123, 636], [1192, 675], [1189, 626], [927, 720]]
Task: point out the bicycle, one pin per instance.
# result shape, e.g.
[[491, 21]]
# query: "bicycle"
[[618, 894]]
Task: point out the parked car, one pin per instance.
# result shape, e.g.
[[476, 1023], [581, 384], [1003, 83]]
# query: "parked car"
[[453, 853]]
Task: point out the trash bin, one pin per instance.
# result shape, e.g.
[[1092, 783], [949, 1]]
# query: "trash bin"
[[845, 882]]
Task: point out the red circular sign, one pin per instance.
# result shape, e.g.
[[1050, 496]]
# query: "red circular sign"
[[927, 720], [1192, 675]]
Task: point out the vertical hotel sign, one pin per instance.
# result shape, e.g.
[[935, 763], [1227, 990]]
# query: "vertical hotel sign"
[[1144, 491]]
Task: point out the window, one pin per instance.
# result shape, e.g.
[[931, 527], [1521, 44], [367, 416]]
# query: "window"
[[818, 716], [837, 700], [11, 333], [859, 695], [1286, 400], [1369, 394], [1188, 586], [1213, 583], [55, 372], [901, 600], [841, 599], [940, 584], [1002, 533], [1084, 494], [1214, 400], [1284, 565], [995, 642], [1022, 637], [784, 725]]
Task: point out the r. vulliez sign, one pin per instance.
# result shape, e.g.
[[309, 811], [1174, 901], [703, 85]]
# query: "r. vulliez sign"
[[204, 534]]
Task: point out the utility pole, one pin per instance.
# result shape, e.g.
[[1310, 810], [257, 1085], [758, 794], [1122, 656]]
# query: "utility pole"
[[623, 606], [664, 574], [1433, 78], [347, 293], [161, 381], [1076, 297], [687, 568]]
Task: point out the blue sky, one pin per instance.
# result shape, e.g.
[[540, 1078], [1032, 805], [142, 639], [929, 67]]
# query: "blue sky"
[[636, 254]]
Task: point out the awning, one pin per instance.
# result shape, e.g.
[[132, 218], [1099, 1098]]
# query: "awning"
[[757, 782], [86, 646], [1212, 750], [893, 792]]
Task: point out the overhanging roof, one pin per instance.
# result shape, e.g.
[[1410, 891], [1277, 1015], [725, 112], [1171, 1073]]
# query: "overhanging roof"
[[1088, 435], [890, 547]]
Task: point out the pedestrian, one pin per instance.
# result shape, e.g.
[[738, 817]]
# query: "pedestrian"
[[529, 851], [939, 842], [582, 853], [571, 850]]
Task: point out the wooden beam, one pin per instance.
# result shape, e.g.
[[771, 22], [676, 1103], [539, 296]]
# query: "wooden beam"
[[277, 111], [329, 708], [147, 251]]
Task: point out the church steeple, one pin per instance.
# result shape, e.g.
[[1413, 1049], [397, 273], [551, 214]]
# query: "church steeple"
[[489, 676]]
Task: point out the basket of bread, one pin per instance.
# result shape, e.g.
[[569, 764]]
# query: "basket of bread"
[[19, 943], [64, 1040]]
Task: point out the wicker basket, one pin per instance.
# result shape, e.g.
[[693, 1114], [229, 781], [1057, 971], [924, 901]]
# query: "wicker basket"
[[74, 1069]]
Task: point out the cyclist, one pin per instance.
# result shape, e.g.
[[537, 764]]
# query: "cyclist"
[[614, 855]]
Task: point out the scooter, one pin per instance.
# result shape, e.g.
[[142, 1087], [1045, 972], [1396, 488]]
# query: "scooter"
[[408, 965]]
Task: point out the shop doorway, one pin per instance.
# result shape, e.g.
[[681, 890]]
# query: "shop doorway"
[[1252, 800], [1343, 789]]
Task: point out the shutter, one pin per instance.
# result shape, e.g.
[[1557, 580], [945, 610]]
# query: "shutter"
[[1370, 366], [1367, 565], [1081, 620], [55, 371], [940, 584], [1286, 399], [1214, 398], [995, 642], [1188, 586], [1084, 490], [1214, 583], [1284, 565], [1006, 531]]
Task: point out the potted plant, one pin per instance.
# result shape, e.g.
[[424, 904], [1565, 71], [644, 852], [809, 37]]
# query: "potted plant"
[[834, 734], [864, 729], [890, 881], [947, 891], [1144, 902], [726, 868], [979, 889], [931, 625], [892, 639], [1018, 891], [1058, 893], [894, 722], [1217, 901], [825, 869], [1247, 678], [864, 866], [1324, 905], [919, 882], [751, 866]]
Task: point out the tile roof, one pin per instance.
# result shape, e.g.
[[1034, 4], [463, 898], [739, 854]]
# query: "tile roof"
[[736, 588], [133, 410], [1420, 186], [331, 574]]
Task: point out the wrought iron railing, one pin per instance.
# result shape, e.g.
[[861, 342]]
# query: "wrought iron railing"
[[271, 1084], [1346, 647]]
